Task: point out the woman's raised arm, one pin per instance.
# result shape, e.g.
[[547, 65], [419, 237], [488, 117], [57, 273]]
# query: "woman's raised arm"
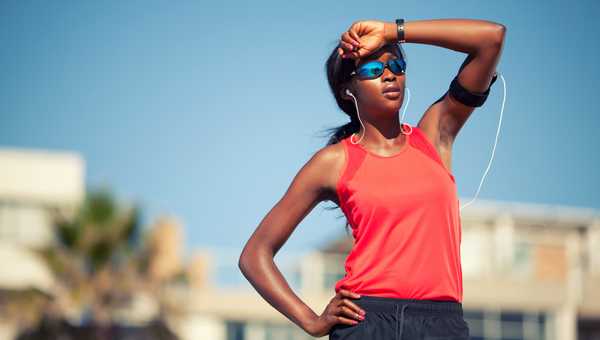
[[483, 42]]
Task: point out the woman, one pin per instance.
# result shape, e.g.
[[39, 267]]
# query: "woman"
[[393, 182]]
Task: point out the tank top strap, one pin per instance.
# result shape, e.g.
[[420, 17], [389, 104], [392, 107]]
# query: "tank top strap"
[[355, 156]]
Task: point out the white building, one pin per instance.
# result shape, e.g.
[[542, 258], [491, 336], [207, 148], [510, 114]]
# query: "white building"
[[33, 185]]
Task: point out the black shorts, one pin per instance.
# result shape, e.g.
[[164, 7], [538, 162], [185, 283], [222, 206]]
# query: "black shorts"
[[405, 319]]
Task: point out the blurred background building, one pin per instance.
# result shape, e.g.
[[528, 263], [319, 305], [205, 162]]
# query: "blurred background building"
[[530, 272], [34, 184]]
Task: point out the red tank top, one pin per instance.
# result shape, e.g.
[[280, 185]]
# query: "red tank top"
[[405, 219]]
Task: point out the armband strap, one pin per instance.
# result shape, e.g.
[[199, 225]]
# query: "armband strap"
[[466, 97]]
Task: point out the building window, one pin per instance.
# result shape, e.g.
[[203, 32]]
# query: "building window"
[[235, 330], [286, 331], [334, 270], [505, 325], [523, 260]]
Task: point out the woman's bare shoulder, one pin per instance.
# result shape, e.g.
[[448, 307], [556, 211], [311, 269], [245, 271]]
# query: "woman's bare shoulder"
[[330, 160]]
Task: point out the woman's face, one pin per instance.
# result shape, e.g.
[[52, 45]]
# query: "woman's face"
[[372, 94]]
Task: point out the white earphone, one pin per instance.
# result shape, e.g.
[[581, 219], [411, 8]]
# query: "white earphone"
[[348, 92]]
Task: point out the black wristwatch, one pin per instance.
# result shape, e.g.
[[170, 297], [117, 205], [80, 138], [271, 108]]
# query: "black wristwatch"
[[400, 26]]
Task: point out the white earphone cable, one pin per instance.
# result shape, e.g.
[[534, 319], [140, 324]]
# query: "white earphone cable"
[[360, 120], [495, 143]]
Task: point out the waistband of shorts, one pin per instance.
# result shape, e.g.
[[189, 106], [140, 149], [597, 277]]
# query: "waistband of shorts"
[[389, 305]]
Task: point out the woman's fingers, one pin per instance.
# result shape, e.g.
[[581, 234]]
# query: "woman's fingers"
[[350, 39], [346, 46], [349, 44], [346, 321], [348, 307], [345, 311], [354, 307], [348, 294], [354, 35], [352, 314], [346, 50]]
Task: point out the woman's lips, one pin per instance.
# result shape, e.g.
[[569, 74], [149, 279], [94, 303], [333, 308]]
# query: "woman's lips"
[[392, 94], [391, 91], [391, 88]]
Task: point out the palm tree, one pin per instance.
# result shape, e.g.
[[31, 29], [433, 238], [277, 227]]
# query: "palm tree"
[[93, 249]]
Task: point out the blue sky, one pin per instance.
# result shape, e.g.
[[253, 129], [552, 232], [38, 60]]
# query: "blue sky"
[[206, 110]]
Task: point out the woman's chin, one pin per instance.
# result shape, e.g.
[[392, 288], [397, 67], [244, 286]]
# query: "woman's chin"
[[393, 103], [391, 109]]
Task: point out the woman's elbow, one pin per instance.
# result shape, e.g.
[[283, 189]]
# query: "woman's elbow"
[[498, 35], [244, 260], [492, 41], [249, 257]]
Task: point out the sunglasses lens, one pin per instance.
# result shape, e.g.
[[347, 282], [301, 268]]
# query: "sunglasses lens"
[[398, 66], [370, 70]]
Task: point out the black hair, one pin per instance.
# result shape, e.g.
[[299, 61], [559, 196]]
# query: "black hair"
[[338, 71]]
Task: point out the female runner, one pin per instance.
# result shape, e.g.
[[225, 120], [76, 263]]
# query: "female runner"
[[394, 184]]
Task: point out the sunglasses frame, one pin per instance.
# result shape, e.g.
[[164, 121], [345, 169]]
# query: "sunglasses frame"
[[386, 64]]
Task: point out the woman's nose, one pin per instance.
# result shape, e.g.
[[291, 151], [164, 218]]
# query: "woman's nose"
[[388, 75]]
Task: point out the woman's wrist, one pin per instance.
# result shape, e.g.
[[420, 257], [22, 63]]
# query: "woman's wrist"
[[309, 324], [390, 32]]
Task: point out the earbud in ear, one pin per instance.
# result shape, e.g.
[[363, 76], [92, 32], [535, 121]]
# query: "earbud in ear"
[[348, 92]]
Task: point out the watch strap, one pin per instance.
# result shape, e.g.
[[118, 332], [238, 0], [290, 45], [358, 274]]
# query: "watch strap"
[[400, 27]]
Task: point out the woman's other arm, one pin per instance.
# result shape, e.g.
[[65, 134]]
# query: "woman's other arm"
[[307, 189], [482, 41]]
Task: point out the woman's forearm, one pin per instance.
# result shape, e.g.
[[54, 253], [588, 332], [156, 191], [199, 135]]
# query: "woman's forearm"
[[260, 269], [463, 35]]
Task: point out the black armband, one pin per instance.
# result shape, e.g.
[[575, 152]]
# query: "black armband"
[[466, 97]]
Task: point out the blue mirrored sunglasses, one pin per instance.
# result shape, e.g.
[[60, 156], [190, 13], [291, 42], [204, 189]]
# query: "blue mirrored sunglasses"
[[374, 69]]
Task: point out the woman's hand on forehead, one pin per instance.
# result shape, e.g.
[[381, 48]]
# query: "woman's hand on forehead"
[[364, 38]]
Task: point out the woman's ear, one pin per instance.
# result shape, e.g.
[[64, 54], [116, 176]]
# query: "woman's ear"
[[344, 93]]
